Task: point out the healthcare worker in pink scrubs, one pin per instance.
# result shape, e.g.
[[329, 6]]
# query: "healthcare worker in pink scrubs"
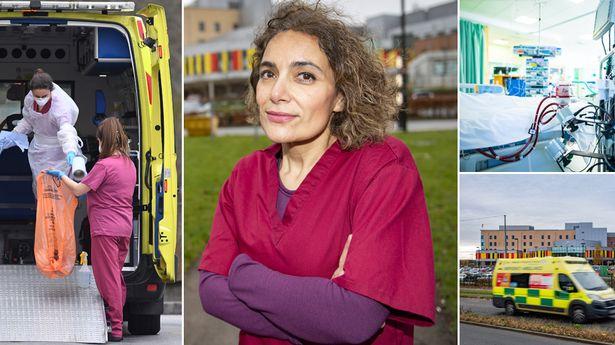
[[324, 236], [109, 186]]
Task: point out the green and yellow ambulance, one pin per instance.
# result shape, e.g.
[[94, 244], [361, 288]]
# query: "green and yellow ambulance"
[[113, 60], [556, 285]]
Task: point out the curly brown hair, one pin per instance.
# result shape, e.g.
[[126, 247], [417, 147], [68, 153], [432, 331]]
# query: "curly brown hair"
[[370, 97]]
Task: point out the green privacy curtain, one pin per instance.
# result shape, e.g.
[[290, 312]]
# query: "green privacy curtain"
[[472, 59]]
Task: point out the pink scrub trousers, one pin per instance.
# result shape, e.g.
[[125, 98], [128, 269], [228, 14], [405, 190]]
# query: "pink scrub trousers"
[[108, 255]]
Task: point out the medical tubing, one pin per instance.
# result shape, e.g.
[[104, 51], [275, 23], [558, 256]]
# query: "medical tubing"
[[533, 138], [608, 164], [543, 114], [595, 165]]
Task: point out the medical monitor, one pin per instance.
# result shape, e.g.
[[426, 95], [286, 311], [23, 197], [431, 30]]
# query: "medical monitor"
[[604, 18]]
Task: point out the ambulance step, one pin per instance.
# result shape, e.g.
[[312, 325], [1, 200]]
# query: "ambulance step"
[[35, 308]]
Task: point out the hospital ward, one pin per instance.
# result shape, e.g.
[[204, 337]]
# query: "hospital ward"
[[536, 88]]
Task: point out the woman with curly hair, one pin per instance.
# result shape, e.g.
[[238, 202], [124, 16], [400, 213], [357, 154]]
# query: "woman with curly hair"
[[324, 236]]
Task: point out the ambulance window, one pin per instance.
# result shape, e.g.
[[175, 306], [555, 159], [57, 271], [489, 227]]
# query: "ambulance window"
[[519, 280], [8, 105], [565, 284]]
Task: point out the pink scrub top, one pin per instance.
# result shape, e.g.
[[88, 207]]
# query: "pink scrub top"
[[112, 182], [374, 193]]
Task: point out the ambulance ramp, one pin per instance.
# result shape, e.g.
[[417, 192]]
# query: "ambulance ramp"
[[36, 308]]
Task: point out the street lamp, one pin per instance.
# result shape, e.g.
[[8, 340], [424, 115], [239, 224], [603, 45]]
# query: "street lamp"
[[404, 75], [505, 238]]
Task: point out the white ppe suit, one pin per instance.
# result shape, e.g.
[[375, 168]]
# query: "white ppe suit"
[[54, 134]]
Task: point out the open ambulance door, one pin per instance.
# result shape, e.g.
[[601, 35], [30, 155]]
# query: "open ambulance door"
[[158, 142]]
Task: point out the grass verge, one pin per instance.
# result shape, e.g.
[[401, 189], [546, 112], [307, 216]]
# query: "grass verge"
[[475, 293], [541, 325]]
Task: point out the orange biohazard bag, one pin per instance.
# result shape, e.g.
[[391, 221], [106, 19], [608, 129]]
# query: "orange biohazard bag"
[[54, 241]]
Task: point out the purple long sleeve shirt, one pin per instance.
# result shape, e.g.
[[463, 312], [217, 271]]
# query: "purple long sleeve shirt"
[[272, 304], [218, 300]]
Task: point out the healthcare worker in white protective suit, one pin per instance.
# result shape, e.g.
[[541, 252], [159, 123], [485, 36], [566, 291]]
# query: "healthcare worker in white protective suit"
[[50, 114]]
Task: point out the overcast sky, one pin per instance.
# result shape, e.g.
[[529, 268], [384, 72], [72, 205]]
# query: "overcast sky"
[[542, 200], [361, 9]]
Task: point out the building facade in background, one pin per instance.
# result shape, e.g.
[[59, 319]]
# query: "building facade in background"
[[204, 24], [610, 239], [217, 62], [522, 238], [523, 241]]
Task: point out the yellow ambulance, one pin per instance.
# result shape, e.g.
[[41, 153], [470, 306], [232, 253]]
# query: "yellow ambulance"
[[113, 60], [557, 285]]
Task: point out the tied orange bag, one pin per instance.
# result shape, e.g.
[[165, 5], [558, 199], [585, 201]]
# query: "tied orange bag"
[[54, 241]]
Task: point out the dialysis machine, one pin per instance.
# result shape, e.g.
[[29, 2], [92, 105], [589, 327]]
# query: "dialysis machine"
[[602, 114], [597, 118]]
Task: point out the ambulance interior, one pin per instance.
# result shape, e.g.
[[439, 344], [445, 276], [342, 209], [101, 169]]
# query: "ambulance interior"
[[93, 65], [533, 85]]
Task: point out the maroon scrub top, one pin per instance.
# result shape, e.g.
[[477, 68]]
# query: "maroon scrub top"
[[374, 193]]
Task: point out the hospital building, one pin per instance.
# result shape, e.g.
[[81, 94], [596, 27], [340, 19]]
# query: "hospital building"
[[523, 241]]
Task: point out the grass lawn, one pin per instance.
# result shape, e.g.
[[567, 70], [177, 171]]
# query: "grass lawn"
[[208, 163]]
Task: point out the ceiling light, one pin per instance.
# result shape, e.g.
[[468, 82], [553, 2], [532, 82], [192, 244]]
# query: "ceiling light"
[[525, 20]]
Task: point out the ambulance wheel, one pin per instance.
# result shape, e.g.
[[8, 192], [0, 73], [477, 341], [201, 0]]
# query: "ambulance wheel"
[[143, 324], [578, 314], [509, 308]]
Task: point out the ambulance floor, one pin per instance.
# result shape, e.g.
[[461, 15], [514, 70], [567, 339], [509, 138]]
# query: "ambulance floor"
[[36, 308]]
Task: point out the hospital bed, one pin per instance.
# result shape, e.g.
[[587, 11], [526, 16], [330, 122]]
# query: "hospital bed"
[[496, 124]]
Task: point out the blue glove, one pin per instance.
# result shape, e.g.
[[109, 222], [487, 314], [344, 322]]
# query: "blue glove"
[[5, 142], [55, 173], [69, 158]]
